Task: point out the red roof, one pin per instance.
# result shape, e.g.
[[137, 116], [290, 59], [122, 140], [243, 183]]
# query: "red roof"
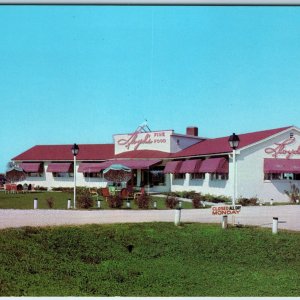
[[100, 152], [221, 145], [63, 152]]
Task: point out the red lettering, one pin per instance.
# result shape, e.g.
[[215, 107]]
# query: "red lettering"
[[280, 149], [134, 141]]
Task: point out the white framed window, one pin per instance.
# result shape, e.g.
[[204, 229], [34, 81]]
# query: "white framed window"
[[179, 176], [197, 175], [63, 174], [219, 176], [281, 176], [93, 175]]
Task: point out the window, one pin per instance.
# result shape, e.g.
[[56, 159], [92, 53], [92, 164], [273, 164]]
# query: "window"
[[179, 176], [93, 175], [34, 174], [197, 175], [157, 176], [63, 174], [219, 176], [281, 176]]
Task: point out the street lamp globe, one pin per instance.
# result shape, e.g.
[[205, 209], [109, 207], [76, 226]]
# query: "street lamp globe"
[[75, 149], [234, 141]]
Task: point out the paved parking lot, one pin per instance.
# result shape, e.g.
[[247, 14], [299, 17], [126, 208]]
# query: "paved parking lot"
[[289, 217]]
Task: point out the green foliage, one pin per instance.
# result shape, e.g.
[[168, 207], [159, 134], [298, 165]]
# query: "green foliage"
[[215, 199], [123, 260], [115, 201], [171, 202], [248, 201], [143, 201], [205, 197]]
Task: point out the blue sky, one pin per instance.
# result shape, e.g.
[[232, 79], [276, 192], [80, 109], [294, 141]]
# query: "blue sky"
[[83, 73]]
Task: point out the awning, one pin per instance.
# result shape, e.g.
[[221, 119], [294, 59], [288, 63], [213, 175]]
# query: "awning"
[[214, 165], [59, 167], [172, 167], [90, 167], [281, 165], [139, 164], [190, 166], [30, 167]]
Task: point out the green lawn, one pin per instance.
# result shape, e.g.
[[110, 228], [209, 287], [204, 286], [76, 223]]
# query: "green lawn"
[[25, 201], [157, 259]]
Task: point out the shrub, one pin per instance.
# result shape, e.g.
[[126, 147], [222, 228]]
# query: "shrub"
[[85, 200], [293, 193], [40, 188], [215, 199], [248, 201], [115, 201], [50, 202], [197, 201], [171, 202], [143, 201]]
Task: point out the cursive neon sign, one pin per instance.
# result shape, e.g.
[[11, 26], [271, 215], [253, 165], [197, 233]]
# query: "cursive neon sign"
[[281, 149], [136, 139]]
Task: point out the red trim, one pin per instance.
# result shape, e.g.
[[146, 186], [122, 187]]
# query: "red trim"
[[59, 167], [281, 165], [214, 165]]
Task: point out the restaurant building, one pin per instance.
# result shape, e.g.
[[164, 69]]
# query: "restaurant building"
[[267, 162]]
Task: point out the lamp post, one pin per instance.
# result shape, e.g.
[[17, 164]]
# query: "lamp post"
[[75, 150], [234, 143]]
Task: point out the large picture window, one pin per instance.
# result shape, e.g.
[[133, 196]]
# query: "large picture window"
[[157, 176]]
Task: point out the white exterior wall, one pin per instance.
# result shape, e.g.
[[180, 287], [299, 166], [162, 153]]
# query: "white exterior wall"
[[48, 181], [250, 171], [179, 142], [250, 174], [203, 186]]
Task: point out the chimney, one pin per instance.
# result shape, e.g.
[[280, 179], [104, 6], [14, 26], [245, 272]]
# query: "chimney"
[[192, 131]]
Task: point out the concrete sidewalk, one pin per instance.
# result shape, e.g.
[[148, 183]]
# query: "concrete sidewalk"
[[289, 216]]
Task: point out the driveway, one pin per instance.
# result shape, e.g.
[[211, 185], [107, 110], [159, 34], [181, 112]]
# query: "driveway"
[[288, 215]]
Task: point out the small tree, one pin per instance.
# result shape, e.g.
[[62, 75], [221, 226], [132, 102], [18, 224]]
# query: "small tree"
[[50, 202], [85, 200], [197, 201], [171, 202], [115, 201], [293, 193], [143, 201]]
